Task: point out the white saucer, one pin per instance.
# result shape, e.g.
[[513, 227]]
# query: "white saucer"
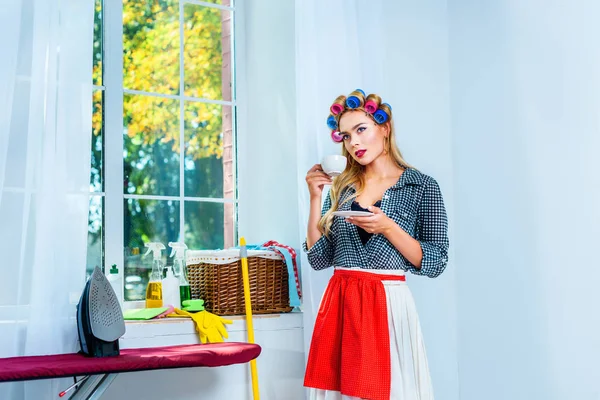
[[352, 213]]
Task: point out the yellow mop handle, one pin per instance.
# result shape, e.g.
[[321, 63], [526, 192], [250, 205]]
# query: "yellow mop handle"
[[253, 370]]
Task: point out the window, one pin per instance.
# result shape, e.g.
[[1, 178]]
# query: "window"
[[163, 165]]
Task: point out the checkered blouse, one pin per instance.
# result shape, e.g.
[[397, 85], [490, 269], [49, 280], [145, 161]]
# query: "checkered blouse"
[[415, 203]]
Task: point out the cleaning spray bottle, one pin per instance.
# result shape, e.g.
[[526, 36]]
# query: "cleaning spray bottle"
[[170, 285], [180, 270], [154, 294]]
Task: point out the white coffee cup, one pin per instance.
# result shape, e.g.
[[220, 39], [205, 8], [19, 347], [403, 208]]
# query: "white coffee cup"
[[334, 164]]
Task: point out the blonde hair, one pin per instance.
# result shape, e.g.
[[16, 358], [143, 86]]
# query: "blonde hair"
[[353, 175]]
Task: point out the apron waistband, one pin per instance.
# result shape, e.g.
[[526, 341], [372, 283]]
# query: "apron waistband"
[[368, 275]]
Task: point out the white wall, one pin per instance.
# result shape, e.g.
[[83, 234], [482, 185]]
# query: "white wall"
[[525, 104]]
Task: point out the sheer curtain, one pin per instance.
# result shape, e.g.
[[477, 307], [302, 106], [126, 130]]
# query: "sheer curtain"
[[336, 44], [399, 50], [45, 151], [340, 46]]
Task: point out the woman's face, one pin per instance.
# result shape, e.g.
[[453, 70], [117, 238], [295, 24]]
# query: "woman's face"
[[363, 138]]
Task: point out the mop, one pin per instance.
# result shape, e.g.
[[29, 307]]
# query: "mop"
[[253, 370]]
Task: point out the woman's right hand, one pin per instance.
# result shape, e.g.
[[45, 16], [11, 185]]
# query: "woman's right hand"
[[316, 179]]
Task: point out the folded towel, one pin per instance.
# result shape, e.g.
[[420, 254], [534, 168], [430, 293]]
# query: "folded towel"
[[143, 313]]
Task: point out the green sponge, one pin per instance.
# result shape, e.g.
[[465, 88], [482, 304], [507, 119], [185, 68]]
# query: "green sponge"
[[193, 305]]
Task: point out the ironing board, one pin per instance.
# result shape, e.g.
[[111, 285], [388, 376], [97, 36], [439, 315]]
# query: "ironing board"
[[102, 371]]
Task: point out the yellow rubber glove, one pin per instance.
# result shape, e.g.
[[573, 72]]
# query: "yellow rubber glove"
[[215, 327], [210, 327]]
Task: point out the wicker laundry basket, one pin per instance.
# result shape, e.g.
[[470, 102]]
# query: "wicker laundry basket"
[[216, 278]]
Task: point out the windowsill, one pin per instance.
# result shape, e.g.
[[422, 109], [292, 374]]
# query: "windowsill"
[[175, 331]]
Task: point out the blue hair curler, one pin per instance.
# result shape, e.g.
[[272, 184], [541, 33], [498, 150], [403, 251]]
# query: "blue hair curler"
[[380, 116], [331, 122], [352, 102], [390, 107], [360, 90]]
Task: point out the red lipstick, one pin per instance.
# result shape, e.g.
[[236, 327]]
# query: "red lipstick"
[[359, 153]]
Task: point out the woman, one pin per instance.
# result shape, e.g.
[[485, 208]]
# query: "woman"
[[367, 341]]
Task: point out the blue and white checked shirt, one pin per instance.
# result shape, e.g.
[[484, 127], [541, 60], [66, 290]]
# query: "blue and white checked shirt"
[[415, 203]]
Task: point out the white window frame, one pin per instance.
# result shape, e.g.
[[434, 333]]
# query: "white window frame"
[[113, 165]]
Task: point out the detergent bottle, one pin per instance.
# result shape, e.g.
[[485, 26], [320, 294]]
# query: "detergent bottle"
[[154, 295], [180, 270]]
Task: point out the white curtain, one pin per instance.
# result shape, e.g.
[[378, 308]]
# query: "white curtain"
[[45, 151], [398, 50], [336, 42]]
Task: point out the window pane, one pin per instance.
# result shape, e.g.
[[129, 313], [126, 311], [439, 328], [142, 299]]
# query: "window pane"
[[151, 145], [95, 249], [208, 151], [98, 43], [96, 182], [146, 221], [208, 225], [207, 55], [151, 46]]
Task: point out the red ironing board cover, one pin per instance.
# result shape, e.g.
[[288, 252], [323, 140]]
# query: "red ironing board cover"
[[65, 365]]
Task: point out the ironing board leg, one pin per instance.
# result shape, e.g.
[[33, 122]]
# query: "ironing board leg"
[[94, 387]]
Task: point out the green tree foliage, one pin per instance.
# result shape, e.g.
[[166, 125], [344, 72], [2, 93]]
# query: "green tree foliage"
[[151, 62]]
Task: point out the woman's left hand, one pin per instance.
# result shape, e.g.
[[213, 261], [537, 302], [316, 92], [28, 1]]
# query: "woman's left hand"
[[376, 223]]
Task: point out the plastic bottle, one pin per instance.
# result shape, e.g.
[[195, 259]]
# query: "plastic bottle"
[[154, 291], [116, 281], [170, 285], [180, 270]]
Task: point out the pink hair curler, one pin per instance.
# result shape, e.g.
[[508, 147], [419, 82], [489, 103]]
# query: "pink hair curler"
[[336, 109], [370, 106], [336, 137]]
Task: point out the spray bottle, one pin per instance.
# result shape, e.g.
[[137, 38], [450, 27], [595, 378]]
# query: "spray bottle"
[[154, 295], [180, 270], [170, 287]]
